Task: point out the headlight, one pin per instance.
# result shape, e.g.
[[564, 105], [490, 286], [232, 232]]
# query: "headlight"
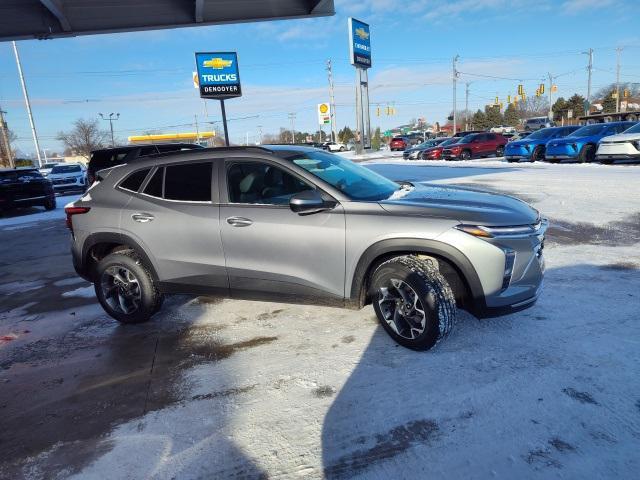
[[636, 144], [482, 231]]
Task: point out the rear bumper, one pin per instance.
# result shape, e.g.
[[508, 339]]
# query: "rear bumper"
[[33, 201]]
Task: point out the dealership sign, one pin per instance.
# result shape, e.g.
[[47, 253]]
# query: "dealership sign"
[[324, 114], [218, 75], [359, 43]]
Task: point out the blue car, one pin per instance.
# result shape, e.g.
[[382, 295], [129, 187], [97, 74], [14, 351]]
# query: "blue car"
[[532, 148], [582, 144]]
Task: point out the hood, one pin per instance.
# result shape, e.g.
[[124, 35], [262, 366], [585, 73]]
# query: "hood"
[[570, 140], [622, 137], [466, 205]]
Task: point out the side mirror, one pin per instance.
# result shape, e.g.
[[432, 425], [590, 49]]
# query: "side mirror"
[[309, 201]]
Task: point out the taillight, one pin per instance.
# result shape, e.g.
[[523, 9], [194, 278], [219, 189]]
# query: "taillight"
[[71, 211]]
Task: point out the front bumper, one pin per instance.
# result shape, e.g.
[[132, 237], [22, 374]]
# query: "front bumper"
[[562, 152], [617, 151]]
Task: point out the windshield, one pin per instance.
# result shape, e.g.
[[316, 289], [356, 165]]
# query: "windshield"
[[65, 169], [634, 129], [588, 130], [355, 181], [467, 138], [540, 134], [450, 141]]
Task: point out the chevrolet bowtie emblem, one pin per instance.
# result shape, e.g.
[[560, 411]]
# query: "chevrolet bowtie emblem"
[[217, 63], [360, 32]]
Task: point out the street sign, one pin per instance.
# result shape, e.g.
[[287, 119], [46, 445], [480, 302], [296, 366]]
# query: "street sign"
[[569, 113], [359, 43], [218, 75], [324, 114]]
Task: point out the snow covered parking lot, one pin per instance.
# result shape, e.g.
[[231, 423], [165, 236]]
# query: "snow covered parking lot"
[[233, 389]]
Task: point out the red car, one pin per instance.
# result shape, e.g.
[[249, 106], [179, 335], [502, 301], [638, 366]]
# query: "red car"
[[476, 145], [435, 153], [398, 143]]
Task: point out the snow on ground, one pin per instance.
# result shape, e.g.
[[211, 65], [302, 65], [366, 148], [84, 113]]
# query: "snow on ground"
[[235, 389]]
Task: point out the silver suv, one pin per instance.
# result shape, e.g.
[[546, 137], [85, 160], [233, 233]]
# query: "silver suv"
[[296, 224]]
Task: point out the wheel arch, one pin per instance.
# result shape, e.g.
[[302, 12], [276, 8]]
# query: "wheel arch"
[[453, 264], [97, 245]]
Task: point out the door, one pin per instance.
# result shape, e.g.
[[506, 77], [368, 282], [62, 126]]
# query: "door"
[[270, 251], [174, 216]]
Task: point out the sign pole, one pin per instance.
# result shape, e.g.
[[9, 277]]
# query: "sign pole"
[[360, 58], [224, 122], [359, 122]]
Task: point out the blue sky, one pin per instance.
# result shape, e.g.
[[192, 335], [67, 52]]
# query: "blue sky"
[[146, 76]]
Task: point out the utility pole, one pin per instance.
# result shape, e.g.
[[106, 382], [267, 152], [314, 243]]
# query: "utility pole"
[[27, 103], [260, 133], [618, 52], [197, 130], [111, 119], [590, 70], [466, 105], [332, 102], [6, 145], [550, 96], [292, 117], [455, 79]]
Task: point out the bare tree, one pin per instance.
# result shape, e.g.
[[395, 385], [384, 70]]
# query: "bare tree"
[[84, 137], [533, 106]]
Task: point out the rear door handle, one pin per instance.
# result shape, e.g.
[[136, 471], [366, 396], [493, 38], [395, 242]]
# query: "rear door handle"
[[239, 221], [142, 217]]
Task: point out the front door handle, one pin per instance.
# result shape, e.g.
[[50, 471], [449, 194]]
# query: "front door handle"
[[239, 221], [142, 217]]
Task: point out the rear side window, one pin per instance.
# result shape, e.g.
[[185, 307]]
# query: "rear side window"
[[154, 187], [190, 182], [134, 181]]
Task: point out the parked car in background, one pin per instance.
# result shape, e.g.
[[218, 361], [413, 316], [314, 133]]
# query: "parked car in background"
[[398, 143], [111, 157], [25, 187], [415, 153], [45, 170], [582, 144], [67, 177], [502, 129], [334, 147], [624, 146], [476, 145], [414, 252], [533, 147], [536, 123], [464, 133], [435, 153]]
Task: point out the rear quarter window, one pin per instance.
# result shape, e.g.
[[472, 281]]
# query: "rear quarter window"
[[134, 181], [190, 182]]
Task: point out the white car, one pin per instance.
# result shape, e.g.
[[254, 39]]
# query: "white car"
[[334, 147], [623, 146], [502, 129], [68, 176], [45, 170]]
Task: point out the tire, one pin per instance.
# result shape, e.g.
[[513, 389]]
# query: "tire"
[[606, 161], [342, 149], [426, 288], [465, 155], [139, 284], [512, 160], [536, 156], [500, 151], [587, 154], [50, 204]]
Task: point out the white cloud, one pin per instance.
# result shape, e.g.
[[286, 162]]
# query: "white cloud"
[[578, 6]]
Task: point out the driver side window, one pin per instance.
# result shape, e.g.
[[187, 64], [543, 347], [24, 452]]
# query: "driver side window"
[[262, 184]]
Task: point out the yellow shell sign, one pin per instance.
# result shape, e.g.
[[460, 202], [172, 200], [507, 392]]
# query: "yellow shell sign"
[[324, 108], [324, 114]]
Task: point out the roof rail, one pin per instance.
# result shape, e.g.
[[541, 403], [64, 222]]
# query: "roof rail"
[[211, 149]]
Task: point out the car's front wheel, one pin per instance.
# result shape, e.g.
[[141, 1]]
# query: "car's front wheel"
[[500, 151], [50, 203], [413, 301], [465, 155], [536, 156], [125, 288]]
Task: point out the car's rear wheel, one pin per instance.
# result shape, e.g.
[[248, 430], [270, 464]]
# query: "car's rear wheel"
[[413, 301], [587, 154], [606, 161], [536, 156], [50, 203], [125, 288]]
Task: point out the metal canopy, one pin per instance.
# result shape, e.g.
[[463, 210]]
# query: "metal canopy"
[[43, 19]]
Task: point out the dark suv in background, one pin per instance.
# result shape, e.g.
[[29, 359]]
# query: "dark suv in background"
[[111, 157], [25, 187]]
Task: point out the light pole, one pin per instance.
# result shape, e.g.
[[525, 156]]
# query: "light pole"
[[111, 120], [455, 79]]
